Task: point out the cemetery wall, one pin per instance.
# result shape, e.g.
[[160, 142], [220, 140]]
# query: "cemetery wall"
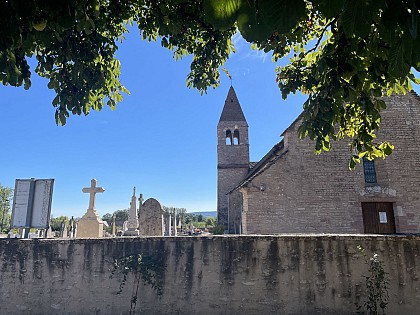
[[287, 274]]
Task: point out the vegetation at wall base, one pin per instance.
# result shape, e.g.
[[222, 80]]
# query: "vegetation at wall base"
[[146, 269], [376, 298]]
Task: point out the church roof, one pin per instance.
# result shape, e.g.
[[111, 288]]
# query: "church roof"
[[252, 165], [232, 110], [277, 152]]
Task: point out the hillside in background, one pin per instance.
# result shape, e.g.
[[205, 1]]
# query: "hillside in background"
[[206, 214]]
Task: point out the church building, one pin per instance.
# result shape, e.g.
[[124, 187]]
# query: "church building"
[[292, 190]]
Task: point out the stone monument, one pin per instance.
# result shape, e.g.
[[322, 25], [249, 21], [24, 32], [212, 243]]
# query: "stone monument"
[[90, 225], [133, 221], [151, 218], [72, 228], [114, 228], [63, 229]]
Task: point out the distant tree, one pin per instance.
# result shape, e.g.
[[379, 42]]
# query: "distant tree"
[[179, 212], [168, 210], [189, 218], [181, 216], [108, 218], [6, 197], [200, 218], [210, 221], [55, 223], [121, 215], [218, 230]]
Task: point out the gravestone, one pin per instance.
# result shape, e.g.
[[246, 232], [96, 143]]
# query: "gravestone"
[[133, 221], [90, 225], [72, 228], [167, 223], [63, 229], [114, 228], [174, 231], [151, 218], [49, 233]]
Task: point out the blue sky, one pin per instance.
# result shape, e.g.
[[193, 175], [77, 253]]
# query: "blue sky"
[[161, 138]]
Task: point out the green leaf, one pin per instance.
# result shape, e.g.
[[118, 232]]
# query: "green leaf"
[[415, 54], [27, 84], [352, 163], [357, 18], [329, 8], [221, 14], [258, 20], [227, 73], [413, 22], [39, 25], [397, 65]]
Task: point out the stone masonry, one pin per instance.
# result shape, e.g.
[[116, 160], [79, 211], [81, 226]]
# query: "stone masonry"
[[304, 192], [232, 162]]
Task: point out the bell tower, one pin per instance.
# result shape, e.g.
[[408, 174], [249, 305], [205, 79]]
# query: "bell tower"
[[232, 162]]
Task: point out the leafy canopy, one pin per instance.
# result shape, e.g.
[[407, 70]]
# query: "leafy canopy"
[[6, 198], [344, 54]]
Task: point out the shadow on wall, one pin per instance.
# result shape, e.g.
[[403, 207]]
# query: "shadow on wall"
[[305, 274]]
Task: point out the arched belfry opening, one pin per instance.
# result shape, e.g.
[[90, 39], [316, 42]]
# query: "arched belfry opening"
[[236, 137], [232, 162], [228, 137]]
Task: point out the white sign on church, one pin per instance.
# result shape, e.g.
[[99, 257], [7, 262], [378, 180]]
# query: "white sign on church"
[[32, 203]]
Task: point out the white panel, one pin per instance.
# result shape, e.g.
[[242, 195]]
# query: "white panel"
[[20, 203], [42, 203], [382, 217]]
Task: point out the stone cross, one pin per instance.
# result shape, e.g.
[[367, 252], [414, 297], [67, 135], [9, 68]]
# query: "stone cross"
[[141, 199], [140, 204], [93, 190]]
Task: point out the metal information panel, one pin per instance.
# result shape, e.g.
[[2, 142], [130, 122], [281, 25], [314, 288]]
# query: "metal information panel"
[[32, 203]]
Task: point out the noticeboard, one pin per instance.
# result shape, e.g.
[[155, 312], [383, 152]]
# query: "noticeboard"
[[32, 203]]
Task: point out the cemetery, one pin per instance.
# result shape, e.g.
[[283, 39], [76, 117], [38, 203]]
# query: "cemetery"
[[227, 274], [296, 232]]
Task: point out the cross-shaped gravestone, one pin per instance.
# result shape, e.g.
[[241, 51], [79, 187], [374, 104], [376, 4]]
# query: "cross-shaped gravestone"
[[141, 200], [93, 190]]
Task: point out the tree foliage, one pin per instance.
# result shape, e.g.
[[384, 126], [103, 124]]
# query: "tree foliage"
[[344, 54], [6, 198], [180, 214], [108, 217], [56, 223]]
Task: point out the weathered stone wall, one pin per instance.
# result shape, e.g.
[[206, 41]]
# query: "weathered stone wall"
[[305, 192], [307, 274]]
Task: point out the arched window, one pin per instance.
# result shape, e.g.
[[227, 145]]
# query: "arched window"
[[236, 137], [228, 137]]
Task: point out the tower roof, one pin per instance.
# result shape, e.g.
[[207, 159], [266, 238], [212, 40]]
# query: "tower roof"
[[232, 110]]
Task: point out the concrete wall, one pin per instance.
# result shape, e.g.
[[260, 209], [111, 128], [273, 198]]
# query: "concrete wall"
[[318, 194], [311, 274]]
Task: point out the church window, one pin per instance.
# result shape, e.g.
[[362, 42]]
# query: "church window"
[[236, 137], [369, 171], [228, 137]]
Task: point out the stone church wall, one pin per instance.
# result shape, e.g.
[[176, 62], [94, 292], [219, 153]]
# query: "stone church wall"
[[305, 192], [307, 274]]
